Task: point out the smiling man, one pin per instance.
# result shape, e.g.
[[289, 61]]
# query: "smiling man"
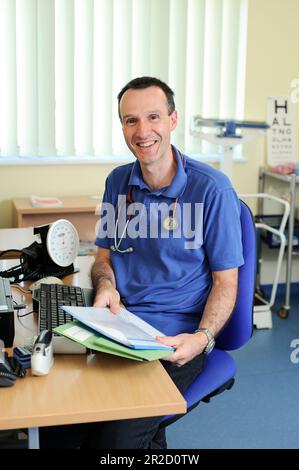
[[188, 294], [184, 287]]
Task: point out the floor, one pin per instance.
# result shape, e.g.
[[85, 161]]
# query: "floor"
[[262, 409]]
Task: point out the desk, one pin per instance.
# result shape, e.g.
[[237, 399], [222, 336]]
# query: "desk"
[[80, 210], [82, 388]]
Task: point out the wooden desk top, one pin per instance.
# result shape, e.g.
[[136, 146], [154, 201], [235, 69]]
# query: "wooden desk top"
[[83, 388], [70, 204]]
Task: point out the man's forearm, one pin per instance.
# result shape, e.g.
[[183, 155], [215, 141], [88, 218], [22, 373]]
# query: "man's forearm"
[[219, 306], [102, 275]]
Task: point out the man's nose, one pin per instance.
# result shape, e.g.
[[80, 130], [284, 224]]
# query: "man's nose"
[[143, 128]]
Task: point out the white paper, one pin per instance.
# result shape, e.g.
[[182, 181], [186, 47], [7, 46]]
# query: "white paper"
[[78, 333], [125, 327]]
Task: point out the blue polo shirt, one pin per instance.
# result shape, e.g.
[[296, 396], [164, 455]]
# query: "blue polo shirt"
[[167, 277]]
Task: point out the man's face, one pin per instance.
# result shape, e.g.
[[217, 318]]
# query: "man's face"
[[146, 124]]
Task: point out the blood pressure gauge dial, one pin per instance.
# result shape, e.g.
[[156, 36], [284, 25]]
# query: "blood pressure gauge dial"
[[62, 242]]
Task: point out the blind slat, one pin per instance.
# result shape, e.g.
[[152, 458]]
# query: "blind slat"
[[46, 78], [159, 27], [102, 83], [27, 84], [122, 64], [83, 77], [212, 58], [229, 58], [241, 68], [8, 80], [64, 76], [141, 38], [194, 69], [177, 62]]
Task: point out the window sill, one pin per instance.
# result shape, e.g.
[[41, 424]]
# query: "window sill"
[[71, 160], [91, 160]]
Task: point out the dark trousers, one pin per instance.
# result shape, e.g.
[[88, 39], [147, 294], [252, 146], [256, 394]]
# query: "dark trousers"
[[139, 433]]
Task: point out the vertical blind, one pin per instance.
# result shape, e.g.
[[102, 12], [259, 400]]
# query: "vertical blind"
[[63, 63]]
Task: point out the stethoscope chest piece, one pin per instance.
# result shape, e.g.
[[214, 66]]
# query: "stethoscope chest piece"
[[170, 223]]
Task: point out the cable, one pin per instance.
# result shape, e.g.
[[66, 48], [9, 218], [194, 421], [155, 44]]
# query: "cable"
[[25, 314], [13, 250], [19, 306], [24, 291]]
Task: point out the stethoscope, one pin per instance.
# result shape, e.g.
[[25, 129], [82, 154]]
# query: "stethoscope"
[[170, 223]]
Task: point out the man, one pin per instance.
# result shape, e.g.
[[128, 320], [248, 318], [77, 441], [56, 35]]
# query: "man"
[[185, 289], [175, 264]]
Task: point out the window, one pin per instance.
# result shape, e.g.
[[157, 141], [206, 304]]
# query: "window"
[[63, 63]]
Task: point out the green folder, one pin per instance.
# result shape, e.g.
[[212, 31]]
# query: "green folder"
[[81, 334]]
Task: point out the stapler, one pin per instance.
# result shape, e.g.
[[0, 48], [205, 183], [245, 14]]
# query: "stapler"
[[42, 356]]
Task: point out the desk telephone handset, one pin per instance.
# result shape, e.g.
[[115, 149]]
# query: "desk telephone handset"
[[9, 370], [7, 375], [54, 256]]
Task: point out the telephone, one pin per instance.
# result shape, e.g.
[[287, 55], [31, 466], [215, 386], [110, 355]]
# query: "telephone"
[[54, 256], [7, 375], [10, 369]]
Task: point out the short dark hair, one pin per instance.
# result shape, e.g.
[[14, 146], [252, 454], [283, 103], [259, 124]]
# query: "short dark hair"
[[146, 82]]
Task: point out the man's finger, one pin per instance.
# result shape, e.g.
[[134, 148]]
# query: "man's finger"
[[115, 308], [167, 340]]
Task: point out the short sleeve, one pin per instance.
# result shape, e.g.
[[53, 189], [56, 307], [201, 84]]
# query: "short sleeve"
[[222, 231]]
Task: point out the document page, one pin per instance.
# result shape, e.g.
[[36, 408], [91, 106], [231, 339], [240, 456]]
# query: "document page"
[[125, 328]]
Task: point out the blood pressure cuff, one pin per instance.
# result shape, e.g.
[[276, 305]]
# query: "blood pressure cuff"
[[32, 259]]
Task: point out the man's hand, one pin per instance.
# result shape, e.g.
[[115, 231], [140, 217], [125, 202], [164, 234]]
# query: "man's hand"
[[103, 281], [108, 297], [186, 345]]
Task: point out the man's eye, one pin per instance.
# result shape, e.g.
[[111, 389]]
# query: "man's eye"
[[130, 121], [154, 117]]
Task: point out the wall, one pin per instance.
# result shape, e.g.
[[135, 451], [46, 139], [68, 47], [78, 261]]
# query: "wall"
[[48, 180], [272, 62]]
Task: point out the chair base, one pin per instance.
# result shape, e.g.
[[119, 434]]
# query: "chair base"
[[262, 318]]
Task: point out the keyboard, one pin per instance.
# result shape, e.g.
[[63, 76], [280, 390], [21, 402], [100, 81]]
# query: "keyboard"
[[48, 300]]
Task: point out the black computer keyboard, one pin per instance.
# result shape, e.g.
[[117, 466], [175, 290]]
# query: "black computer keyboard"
[[48, 300]]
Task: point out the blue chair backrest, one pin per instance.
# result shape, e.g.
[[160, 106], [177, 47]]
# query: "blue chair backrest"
[[239, 329]]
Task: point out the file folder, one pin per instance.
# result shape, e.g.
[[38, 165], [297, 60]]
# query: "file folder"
[[80, 333]]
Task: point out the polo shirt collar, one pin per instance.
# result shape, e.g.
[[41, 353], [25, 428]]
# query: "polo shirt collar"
[[175, 189]]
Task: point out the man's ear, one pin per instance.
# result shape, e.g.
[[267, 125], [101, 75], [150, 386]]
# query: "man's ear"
[[173, 120]]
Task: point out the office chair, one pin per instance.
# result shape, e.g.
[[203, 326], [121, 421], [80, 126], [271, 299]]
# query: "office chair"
[[220, 368]]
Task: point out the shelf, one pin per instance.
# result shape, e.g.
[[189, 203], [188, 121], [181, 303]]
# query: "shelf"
[[285, 178]]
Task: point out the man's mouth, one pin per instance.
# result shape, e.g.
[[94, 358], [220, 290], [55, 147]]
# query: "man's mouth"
[[147, 144]]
